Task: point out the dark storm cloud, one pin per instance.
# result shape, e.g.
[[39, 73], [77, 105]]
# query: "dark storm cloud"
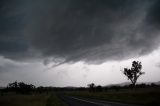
[[82, 30], [154, 16], [12, 41]]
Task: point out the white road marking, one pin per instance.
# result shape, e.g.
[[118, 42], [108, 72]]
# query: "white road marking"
[[101, 104]]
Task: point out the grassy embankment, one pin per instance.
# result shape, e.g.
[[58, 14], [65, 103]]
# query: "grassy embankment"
[[30, 100], [145, 96]]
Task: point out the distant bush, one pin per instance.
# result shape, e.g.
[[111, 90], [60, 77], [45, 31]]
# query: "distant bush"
[[20, 87]]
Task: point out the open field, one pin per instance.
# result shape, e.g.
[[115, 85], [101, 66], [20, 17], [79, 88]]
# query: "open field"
[[145, 96], [140, 96], [30, 100]]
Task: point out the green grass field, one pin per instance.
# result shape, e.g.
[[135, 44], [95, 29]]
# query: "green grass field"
[[30, 100], [147, 96]]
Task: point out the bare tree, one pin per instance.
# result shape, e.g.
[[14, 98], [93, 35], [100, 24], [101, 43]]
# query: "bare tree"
[[134, 73]]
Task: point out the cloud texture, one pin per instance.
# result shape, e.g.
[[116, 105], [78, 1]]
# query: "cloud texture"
[[92, 31]]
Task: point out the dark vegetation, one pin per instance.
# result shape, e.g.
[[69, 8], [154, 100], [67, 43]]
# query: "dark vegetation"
[[22, 94], [47, 96], [134, 73], [20, 87], [31, 89]]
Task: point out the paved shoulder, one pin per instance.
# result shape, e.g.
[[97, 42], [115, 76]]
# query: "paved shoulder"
[[77, 101]]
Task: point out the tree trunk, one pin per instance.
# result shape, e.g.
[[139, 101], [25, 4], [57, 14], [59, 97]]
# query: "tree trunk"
[[134, 84]]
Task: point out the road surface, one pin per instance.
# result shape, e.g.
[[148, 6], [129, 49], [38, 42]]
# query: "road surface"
[[77, 101]]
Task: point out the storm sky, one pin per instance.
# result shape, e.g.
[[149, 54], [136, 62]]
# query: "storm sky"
[[75, 42]]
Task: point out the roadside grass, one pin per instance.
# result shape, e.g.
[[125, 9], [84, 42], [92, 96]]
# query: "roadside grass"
[[53, 100], [23, 100], [147, 97], [31, 100]]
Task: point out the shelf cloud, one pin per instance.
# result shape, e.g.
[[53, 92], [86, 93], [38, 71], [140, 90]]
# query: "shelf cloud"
[[93, 31]]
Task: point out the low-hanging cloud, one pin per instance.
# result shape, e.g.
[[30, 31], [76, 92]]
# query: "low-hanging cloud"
[[92, 31]]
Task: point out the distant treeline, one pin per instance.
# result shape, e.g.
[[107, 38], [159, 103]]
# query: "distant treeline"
[[23, 88], [19, 87]]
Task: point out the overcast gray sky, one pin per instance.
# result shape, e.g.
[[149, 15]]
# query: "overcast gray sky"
[[76, 42]]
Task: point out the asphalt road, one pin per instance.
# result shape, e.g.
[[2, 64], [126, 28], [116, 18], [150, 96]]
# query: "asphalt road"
[[77, 101]]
